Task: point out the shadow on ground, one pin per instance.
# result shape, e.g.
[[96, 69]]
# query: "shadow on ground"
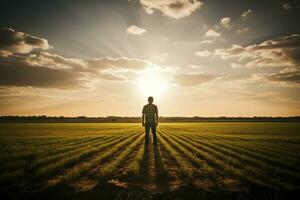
[[110, 191]]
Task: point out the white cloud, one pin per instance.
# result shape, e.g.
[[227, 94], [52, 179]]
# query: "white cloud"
[[286, 6], [225, 22], [242, 30], [195, 66], [205, 53], [236, 65], [246, 13], [172, 8], [148, 10], [135, 30], [212, 33], [206, 41]]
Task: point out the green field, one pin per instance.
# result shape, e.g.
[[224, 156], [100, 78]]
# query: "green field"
[[93, 158]]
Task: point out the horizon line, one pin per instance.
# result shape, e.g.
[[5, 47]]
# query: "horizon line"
[[118, 116]]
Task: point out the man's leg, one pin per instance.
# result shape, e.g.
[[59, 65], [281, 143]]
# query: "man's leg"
[[153, 130], [147, 130]]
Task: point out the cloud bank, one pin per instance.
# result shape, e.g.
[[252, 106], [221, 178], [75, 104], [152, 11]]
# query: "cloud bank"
[[281, 52], [21, 66], [17, 42], [172, 8]]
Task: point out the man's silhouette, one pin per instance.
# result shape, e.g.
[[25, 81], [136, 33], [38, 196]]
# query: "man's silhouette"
[[150, 120]]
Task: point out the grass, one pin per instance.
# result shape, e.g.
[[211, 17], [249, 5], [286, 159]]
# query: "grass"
[[46, 154]]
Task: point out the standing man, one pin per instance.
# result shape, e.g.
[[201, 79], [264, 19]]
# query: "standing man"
[[150, 120]]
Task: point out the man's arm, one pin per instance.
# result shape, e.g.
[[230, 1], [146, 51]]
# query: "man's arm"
[[143, 116], [156, 116]]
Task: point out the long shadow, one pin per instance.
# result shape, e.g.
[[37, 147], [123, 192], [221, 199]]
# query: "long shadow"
[[161, 171], [144, 163], [145, 155]]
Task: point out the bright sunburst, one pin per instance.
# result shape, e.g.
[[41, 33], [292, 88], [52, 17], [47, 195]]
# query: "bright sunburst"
[[152, 83]]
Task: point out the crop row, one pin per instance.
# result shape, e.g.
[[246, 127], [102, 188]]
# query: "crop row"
[[83, 167], [59, 164], [233, 163]]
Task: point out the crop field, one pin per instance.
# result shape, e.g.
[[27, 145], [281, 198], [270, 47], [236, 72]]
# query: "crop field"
[[85, 160]]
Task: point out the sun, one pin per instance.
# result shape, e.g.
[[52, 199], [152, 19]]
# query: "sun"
[[152, 83]]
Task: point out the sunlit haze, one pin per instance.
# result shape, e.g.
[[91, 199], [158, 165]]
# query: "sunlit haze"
[[152, 83], [100, 58]]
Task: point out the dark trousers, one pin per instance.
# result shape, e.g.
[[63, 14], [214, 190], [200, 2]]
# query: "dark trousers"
[[153, 130]]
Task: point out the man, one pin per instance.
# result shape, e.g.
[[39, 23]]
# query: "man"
[[150, 120]]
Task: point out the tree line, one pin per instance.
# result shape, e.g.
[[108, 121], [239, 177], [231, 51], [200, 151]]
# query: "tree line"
[[78, 119]]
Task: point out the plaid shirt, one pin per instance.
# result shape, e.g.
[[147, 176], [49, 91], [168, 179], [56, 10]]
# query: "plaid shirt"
[[150, 110]]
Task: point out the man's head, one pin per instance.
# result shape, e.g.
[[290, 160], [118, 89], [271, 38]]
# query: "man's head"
[[150, 100]]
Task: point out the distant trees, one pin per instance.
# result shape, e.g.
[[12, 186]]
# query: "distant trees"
[[44, 118]]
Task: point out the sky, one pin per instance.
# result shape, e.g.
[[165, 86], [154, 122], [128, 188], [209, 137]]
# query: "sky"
[[105, 57]]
